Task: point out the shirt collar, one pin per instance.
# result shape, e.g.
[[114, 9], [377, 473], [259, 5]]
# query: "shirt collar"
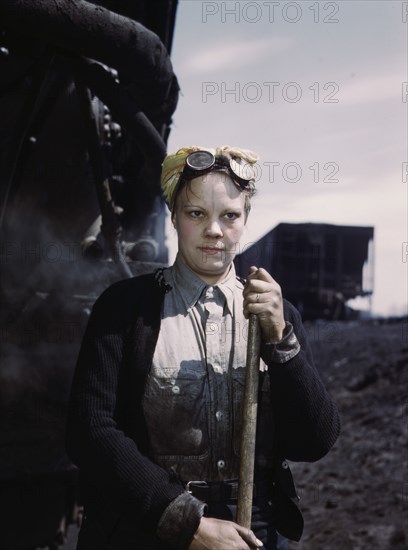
[[191, 286], [227, 287]]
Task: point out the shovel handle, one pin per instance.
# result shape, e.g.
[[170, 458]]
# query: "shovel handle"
[[249, 412]]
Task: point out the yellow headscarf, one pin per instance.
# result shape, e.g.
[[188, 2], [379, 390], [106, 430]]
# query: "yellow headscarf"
[[173, 165]]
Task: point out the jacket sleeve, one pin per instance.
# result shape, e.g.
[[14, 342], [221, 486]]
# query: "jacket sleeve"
[[108, 458], [307, 422]]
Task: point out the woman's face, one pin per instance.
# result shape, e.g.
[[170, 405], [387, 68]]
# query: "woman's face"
[[209, 218]]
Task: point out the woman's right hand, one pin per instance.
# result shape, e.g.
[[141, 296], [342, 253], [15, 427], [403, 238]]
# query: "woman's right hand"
[[217, 534]]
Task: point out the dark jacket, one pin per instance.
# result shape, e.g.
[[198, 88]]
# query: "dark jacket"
[[106, 431]]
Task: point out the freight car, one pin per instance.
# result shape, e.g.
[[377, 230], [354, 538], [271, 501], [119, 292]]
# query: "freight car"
[[319, 266], [86, 100]]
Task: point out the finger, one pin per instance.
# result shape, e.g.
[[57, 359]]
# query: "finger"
[[261, 287], [256, 298], [264, 275], [256, 309], [249, 537], [253, 270]]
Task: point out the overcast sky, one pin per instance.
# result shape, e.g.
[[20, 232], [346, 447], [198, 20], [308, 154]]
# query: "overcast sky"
[[319, 90]]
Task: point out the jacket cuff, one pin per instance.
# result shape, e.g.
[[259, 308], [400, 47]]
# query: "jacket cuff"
[[282, 351], [180, 520]]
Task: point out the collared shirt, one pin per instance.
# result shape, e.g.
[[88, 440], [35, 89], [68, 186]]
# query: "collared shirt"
[[194, 391]]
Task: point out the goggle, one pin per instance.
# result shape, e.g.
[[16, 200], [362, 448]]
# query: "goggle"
[[200, 163]]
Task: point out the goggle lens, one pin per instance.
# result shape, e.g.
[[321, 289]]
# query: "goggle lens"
[[244, 171], [200, 160]]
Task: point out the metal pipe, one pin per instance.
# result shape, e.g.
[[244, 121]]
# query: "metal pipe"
[[248, 437], [111, 228], [125, 111]]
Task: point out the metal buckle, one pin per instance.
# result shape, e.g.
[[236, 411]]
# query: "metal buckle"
[[197, 482]]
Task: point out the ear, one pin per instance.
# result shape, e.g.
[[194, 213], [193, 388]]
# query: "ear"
[[174, 220]]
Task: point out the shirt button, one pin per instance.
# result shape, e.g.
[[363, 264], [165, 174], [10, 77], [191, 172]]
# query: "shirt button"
[[221, 464], [209, 293], [218, 415], [175, 389], [285, 465]]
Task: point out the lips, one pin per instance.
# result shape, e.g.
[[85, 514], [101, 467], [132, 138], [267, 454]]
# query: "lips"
[[210, 249]]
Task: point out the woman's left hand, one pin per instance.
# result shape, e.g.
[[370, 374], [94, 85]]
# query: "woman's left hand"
[[263, 297]]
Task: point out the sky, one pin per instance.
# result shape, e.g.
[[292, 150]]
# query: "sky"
[[319, 90]]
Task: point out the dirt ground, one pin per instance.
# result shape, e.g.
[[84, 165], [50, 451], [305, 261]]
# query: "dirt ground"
[[356, 498]]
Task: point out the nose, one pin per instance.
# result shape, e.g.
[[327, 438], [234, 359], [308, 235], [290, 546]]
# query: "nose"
[[213, 229]]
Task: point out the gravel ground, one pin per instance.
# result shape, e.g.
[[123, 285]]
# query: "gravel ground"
[[357, 496]]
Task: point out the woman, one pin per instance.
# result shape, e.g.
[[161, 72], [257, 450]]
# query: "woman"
[[155, 414]]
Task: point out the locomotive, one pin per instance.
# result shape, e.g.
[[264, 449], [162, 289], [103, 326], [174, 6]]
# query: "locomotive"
[[87, 92]]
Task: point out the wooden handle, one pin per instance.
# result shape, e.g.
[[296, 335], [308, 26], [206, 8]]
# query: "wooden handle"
[[249, 411]]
